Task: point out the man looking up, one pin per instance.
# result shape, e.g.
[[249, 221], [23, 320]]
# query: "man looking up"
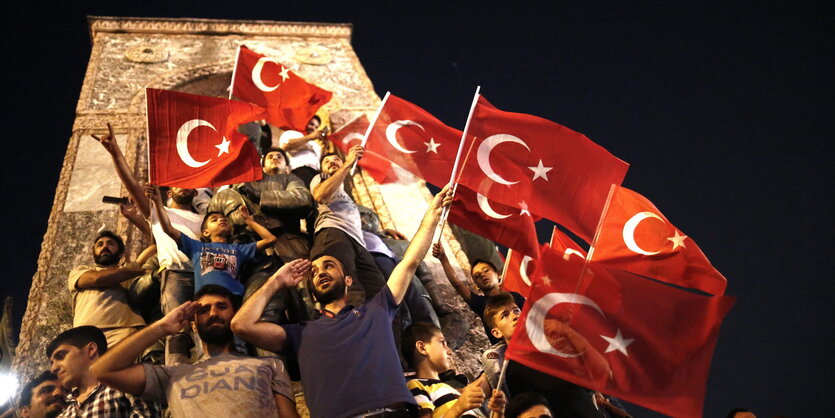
[[339, 228], [70, 355], [221, 384], [176, 270], [348, 360], [42, 397], [98, 291]]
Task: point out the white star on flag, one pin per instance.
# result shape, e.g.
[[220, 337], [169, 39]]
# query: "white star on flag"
[[678, 240], [540, 171], [618, 343], [546, 280], [285, 73], [223, 147], [432, 146], [524, 207]]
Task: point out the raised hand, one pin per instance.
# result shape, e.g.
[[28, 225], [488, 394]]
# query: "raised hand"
[[152, 193], [178, 318], [244, 212], [354, 154], [290, 274], [108, 141], [442, 199], [438, 251]]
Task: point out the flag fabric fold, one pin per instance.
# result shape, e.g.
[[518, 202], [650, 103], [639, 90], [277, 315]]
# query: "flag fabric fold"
[[636, 237], [352, 134], [530, 162], [289, 99], [630, 337], [193, 140]]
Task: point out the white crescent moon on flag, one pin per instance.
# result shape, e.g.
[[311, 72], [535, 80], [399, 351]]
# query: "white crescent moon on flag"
[[629, 232], [484, 205], [391, 134], [352, 136], [535, 324], [182, 142], [523, 270], [256, 74], [487, 146]]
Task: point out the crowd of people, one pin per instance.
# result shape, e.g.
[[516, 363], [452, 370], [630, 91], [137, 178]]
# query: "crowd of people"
[[250, 288]]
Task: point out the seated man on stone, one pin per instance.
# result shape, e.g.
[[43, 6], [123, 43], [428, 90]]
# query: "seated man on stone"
[[348, 360], [70, 355], [304, 150], [339, 228], [176, 272], [216, 259], [221, 384], [486, 278], [98, 292], [42, 397]]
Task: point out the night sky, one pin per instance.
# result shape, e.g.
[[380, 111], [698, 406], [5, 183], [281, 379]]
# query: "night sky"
[[723, 111]]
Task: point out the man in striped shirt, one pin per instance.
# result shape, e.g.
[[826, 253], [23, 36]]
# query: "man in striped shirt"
[[424, 348]]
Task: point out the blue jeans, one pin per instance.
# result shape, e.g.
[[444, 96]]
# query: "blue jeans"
[[177, 287]]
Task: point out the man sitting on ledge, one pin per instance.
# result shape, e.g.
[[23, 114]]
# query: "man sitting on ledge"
[[348, 360]]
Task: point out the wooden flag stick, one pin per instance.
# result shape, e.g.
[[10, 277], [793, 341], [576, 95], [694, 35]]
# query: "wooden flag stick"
[[495, 414], [370, 127], [234, 70]]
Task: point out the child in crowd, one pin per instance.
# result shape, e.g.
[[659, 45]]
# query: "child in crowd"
[[216, 259], [426, 351]]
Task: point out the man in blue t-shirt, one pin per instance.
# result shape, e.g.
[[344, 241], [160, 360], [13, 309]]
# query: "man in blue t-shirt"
[[216, 259], [348, 359]]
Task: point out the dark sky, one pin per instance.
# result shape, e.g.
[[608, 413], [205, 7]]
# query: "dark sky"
[[723, 111]]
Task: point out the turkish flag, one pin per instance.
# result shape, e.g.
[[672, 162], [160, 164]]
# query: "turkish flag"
[[412, 138], [519, 267], [630, 337], [526, 160], [505, 225], [352, 134], [289, 99], [636, 237], [193, 141]]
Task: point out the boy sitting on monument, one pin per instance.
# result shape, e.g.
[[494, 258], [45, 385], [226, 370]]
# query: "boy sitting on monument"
[[216, 259]]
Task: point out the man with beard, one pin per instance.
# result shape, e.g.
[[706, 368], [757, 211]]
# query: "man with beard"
[[42, 397], [223, 383], [339, 227], [99, 296], [348, 360], [176, 272]]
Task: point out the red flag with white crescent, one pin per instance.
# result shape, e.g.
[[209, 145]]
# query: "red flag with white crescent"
[[562, 174], [352, 134], [193, 141], [289, 99], [412, 138], [502, 224], [520, 267], [636, 237], [630, 337]]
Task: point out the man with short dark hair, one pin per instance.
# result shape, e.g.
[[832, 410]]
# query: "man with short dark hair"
[[70, 355], [304, 150], [348, 360], [42, 397], [99, 296], [224, 383]]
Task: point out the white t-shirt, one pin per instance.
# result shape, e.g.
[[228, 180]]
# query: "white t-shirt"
[[185, 221], [308, 155]]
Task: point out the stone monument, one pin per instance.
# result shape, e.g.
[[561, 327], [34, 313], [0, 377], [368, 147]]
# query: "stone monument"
[[197, 56]]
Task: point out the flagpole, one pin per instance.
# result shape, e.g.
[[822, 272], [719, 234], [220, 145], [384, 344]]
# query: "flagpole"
[[452, 179], [147, 138], [553, 234], [596, 235], [494, 414], [371, 126], [234, 70], [506, 262]]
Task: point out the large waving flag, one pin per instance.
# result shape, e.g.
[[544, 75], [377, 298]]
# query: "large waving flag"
[[412, 138], [519, 267], [289, 99], [193, 141], [639, 340], [524, 160], [636, 237], [352, 134]]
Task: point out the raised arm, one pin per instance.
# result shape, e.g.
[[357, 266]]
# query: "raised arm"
[[267, 237], [152, 193], [293, 144], [132, 213], [402, 274], [324, 191], [449, 272], [246, 323], [116, 367], [124, 171]]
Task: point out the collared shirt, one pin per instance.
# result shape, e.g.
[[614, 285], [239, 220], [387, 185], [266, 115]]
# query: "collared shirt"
[[105, 401]]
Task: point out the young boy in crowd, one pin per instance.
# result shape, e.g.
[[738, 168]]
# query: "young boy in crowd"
[[216, 259], [425, 350]]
